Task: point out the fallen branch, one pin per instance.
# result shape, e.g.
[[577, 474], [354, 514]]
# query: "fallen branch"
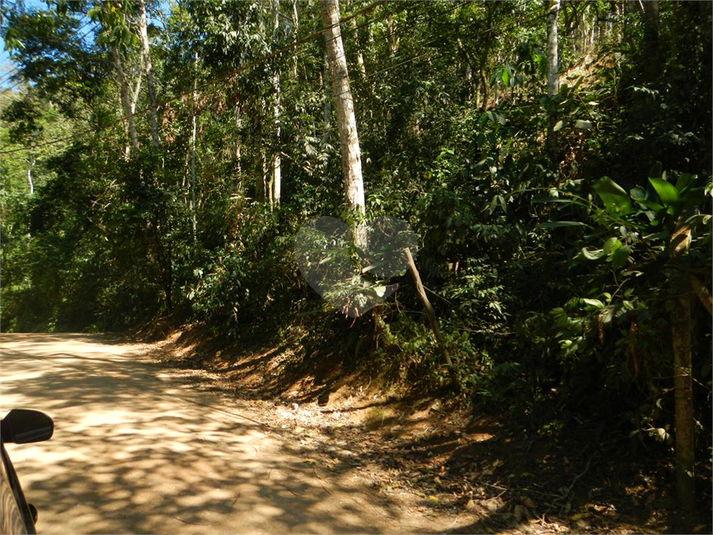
[[427, 307]]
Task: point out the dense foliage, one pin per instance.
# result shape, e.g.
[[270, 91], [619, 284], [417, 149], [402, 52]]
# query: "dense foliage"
[[550, 271]]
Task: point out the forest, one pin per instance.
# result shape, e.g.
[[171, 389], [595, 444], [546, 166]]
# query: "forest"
[[545, 166]]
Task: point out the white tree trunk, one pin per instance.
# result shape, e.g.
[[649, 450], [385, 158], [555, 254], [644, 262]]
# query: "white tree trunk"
[[126, 103], [148, 69], [194, 139], [361, 66], [238, 150], [553, 81], [295, 33], [327, 114], [276, 159], [346, 120], [30, 165]]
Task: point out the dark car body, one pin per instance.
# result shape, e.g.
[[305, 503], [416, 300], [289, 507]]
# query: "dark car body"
[[19, 426]]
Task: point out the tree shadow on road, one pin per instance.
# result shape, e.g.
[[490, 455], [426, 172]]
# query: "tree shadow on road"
[[135, 451]]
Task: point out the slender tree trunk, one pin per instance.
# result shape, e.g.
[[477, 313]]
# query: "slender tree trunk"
[[553, 84], [30, 166], [261, 186], [135, 94], [346, 120], [484, 85], [392, 41], [125, 100], [680, 308], [194, 139], [276, 158], [651, 40], [327, 114], [361, 66], [295, 32], [148, 69], [238, 149], [681, 327]]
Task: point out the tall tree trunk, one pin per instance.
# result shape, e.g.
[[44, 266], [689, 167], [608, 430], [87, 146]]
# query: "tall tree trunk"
[[194, 139], [681, 327], [148, 69], [553, 83], [295, 32], [276, 158], [680, 310], [346, 120], [361, 66], [327, 113], [238, 149], [261, 185], [392, 41], [30, 166], [125, 100], [484, 85], [651, 40]]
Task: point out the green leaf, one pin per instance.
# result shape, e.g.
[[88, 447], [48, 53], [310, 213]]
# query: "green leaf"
[[583, 124], [694, 197], [558, 126], [684, 181], [638, 194], [656, 207], [615, 199], [593, 302], [506, 76], [621, 255], [666, 191], [611, 245], [593, 255], [559, 224]]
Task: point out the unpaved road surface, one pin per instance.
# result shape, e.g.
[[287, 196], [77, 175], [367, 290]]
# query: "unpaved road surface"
[[137, 450]]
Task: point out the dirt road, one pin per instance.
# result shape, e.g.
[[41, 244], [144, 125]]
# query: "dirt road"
[[136, 450]]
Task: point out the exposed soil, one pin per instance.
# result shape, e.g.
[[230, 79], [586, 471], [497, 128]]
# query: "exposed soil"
[[446, 461]]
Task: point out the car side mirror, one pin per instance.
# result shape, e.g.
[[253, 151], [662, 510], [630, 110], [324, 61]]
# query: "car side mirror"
[[22, 426]]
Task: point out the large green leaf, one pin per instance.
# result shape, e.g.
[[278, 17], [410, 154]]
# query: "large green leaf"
[[666, 191], [684, 182], [615, 199], [621, 255]]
